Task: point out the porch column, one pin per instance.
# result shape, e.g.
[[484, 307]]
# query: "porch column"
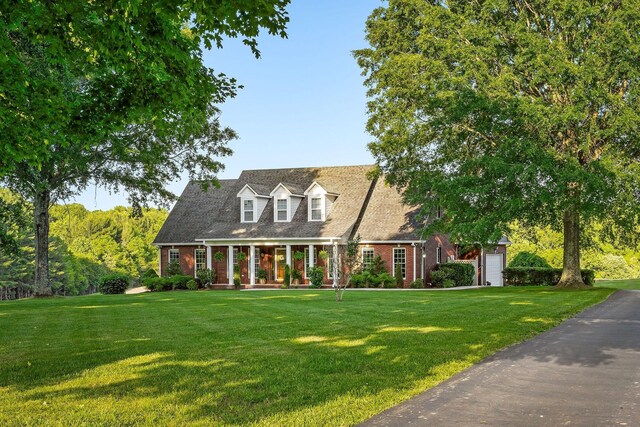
[[252, 265], [160, 261], [423, 257], [414, 261], [335, 265], [209, 258], [230, 264], [312, 259], [289, 256]]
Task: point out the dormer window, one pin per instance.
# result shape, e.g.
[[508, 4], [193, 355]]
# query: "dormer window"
[[281, 210], [248, 210], [316, 209]]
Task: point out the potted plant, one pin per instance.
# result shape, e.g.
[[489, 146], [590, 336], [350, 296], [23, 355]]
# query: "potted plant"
[[262, 276], [241, 256], [298, 255], [323, 255], [296, 276]]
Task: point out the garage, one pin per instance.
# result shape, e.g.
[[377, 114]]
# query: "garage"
[[494, 269]]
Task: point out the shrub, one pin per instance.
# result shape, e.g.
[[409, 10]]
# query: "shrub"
[[462, 274], [387, 280], [357, 280], [262, 274], [377, 265], [192, 285], [438, 277], [528, 276], [528, 259], [316, 277], [296, 274], [448, 283], [417, 284], [287, 276], [173, 269], [157, 284], [206, 276], [114, 284], [179, 281], [372, 280], [399, 279], [148, 274], [237, 281]]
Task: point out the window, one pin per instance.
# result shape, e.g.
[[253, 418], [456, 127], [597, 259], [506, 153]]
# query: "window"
[[281, 210], [400, 260], [247, 210], [174, 255], [201, 259], [235, 256], [438, 255], [316, 209], [367, 258], [256, 258]]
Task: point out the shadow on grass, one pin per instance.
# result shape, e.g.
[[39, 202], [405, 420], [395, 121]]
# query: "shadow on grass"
[[207, 357]]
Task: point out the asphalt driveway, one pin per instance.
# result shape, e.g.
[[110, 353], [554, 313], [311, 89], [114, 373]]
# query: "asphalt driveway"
[[585, 372]]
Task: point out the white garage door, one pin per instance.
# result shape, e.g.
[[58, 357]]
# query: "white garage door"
[[494, 269]]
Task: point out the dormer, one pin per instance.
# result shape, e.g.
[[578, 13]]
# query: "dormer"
[[253, 200], [286, 199], [320, 201]]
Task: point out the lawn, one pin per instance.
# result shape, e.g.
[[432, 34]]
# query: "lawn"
[[253, 358], [629, 284]]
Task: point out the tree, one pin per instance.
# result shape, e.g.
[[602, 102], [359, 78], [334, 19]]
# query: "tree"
[[505, 109], [349, 263], [115, 93]]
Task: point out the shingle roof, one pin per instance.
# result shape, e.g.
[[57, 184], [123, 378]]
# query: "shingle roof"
[[194, 211], [216, 213]]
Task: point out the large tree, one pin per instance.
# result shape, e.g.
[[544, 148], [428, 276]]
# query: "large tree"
[[116, 93], [505, 109]]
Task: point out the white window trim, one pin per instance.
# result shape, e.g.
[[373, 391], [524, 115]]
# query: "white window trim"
[[373, 255], [195, 260], [242, 210], [393, 260], [235, 256], [173, 251], [275, 209], [256, 259], [322, 208], [439, 255]]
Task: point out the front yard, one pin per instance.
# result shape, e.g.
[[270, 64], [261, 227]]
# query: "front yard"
[[253, 358]]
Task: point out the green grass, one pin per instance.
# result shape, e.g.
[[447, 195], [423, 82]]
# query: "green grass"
[[252, 358], [630, 284]]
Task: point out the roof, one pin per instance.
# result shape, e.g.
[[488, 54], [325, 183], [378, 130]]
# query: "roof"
[[376, 209]]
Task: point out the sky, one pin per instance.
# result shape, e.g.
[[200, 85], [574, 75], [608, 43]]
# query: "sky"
[[303, 102]]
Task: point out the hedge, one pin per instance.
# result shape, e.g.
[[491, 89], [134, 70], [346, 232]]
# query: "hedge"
[[453, 274], [114, 284], [528, 276]]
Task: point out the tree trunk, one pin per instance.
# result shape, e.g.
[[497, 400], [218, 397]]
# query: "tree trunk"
[[571, 276], [41, 222]]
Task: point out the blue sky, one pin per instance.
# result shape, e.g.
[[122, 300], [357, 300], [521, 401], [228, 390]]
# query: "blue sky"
[[303, 102]]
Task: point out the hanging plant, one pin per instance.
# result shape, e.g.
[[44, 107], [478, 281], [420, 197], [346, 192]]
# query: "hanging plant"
[[241, 256], [323, 255], [218, 256], [298, 255]]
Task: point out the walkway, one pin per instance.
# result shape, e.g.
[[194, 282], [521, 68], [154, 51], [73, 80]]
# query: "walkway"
[[585, 372]]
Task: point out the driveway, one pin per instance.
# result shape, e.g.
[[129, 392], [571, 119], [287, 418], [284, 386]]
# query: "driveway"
[[585, 372]]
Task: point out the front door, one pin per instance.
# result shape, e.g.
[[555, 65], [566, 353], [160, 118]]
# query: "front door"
[[281, 261]]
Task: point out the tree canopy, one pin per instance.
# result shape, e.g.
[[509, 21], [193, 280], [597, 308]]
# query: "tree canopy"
[[507, 109]]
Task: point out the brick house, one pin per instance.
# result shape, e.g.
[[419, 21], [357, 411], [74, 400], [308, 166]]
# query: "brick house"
[[297, 217]]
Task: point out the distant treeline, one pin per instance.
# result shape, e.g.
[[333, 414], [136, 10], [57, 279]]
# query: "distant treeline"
[[85, 246]]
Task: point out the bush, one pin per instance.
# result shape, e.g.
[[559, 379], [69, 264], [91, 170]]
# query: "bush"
[[316, 277], [537, 276], [114, 284], [192, 285], [462, 274], [387, 280], [173, 269], [399, 279], [180, 281], [237, 281], [296, 274], [417, 284], [157, 284], [377, 266], [448, 283], [357, 280], [372, 280], [438, 277], [262, 274], [148, 274], [528, 259], [287, 276], [206, 276]]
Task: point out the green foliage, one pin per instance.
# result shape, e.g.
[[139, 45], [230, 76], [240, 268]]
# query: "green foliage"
[[173, 269], [296, 274], [148, 274], [206, 276], [179, 281], [316, 277], [192, 285], [218, 256], [298, 255], [287, 276], [377, 266], [417, 284], [158, 284], [386, 280], [237, 279], [114, 283], [241, 256], [528, 259], [528, 276], [323, 255], [399, 279], [462, 274], [261, 274], [498, 111], [438, 277]]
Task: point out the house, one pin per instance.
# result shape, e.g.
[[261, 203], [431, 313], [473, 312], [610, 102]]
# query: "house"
[[298, 217]]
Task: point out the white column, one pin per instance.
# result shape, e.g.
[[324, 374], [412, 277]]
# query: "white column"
[[422, 259], [160, 261], [209, 258], [414, 261], [335, 265], [230, 264], [252, 265], [289, 256], [312, 259]]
